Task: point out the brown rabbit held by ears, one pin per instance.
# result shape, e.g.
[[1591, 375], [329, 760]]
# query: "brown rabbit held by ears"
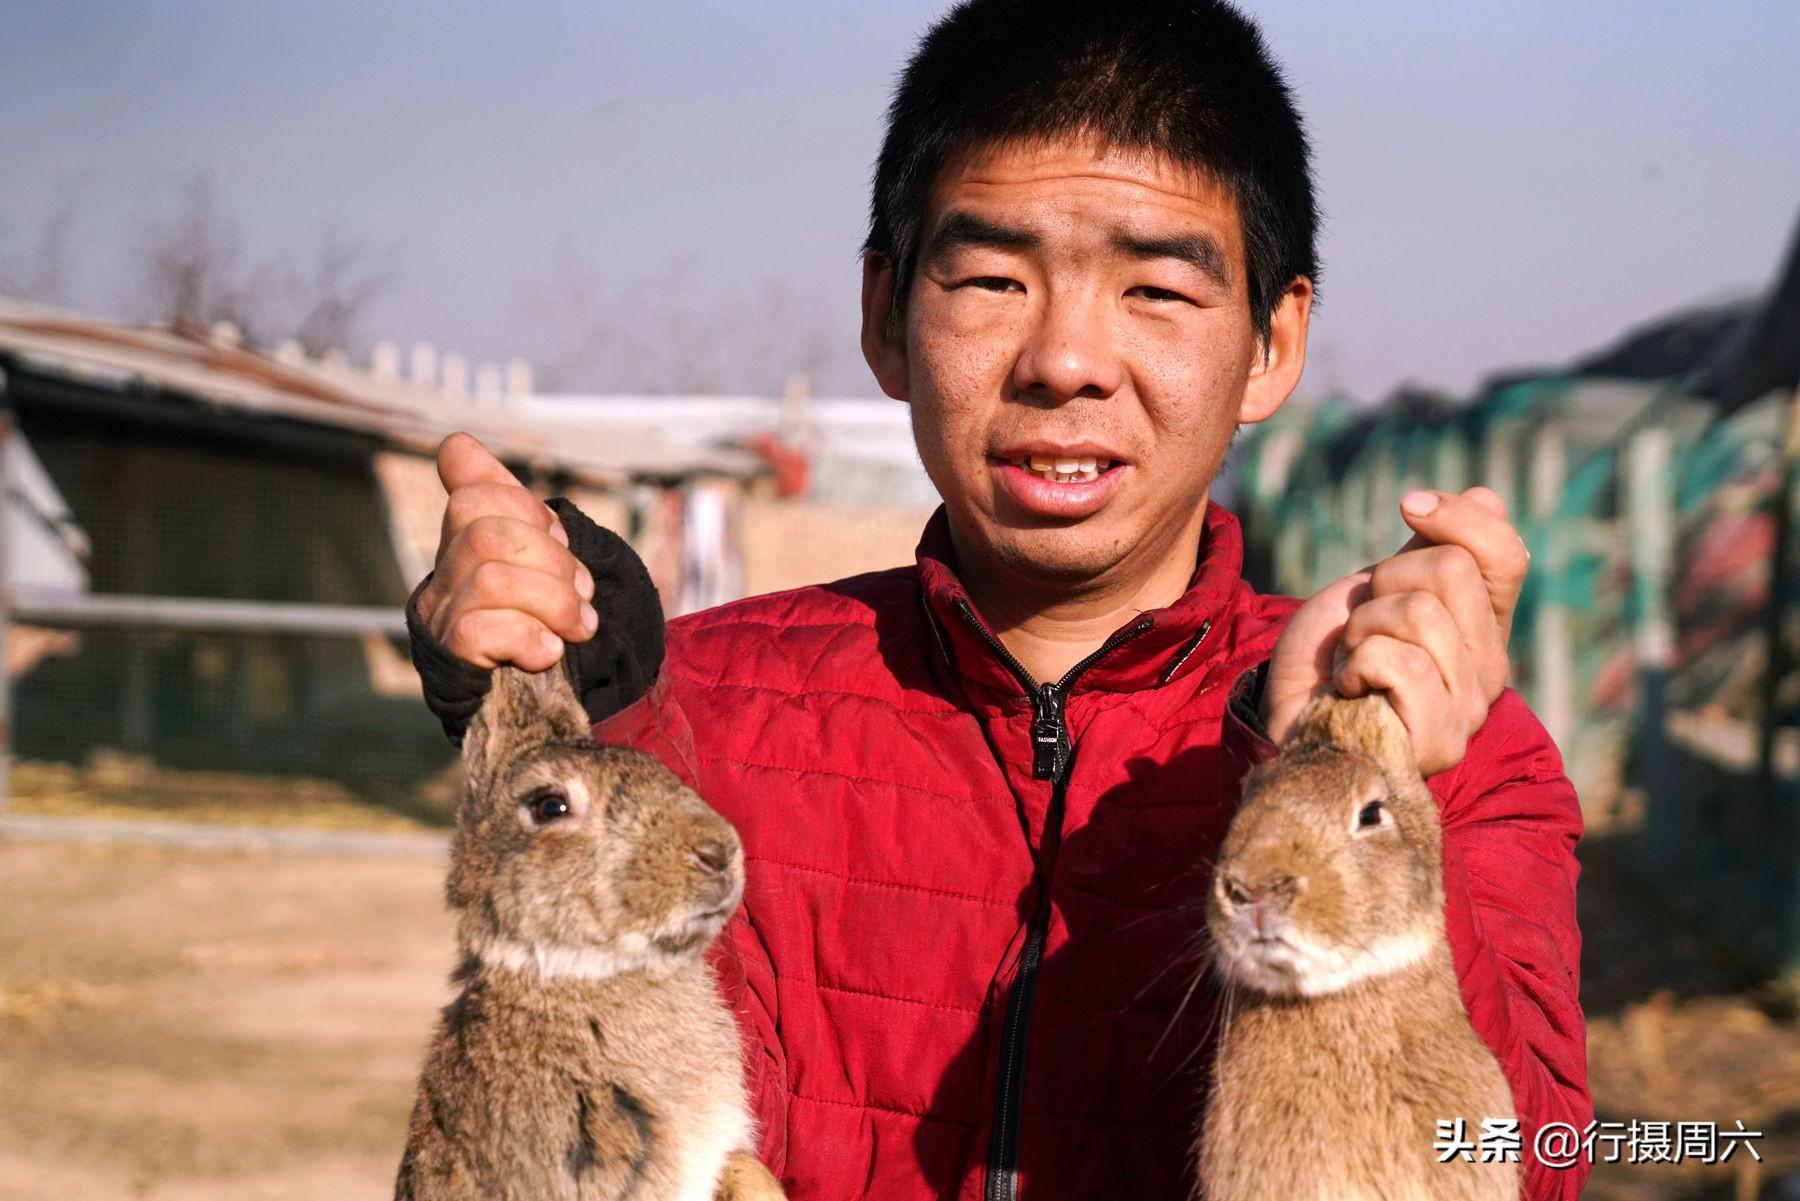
[[1345, 1040], [588, 1057]]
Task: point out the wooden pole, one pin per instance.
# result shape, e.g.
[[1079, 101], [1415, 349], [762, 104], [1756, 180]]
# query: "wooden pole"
[[1649, 518], [1450, 461], [1499, 462], [1781, 580], [6, 507], [1552, 650], [1383, 531], [1781, 795]]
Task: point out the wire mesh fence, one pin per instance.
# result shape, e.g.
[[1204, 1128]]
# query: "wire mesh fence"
[[253, 727], [1659, 632]]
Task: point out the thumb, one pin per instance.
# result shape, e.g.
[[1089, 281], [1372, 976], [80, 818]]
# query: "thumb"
[[1447, 511], [462, 460]]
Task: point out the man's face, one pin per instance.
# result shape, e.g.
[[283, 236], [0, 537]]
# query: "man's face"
[[1078, 351]]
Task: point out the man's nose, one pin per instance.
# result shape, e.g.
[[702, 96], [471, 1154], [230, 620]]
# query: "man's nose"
[[1071, 353]]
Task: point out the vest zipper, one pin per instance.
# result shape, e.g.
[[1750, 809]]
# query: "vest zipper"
[[1051, 758]]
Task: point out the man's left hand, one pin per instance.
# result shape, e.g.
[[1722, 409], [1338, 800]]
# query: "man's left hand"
[[1428, 626]]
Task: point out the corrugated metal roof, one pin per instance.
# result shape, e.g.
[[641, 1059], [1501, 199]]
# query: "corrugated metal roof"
[[218, 370]]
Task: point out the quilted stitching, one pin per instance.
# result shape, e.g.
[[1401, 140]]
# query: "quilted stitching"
[[880, 794]]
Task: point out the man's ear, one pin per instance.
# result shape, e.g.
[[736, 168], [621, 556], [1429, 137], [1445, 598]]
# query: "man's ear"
[[883, 347], [1275, 369]]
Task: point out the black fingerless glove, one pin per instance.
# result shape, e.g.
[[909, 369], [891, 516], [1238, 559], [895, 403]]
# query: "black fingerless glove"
[[610, 670], [1245, 698]]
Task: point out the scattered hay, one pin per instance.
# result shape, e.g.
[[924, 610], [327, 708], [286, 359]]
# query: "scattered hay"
[[30, 1002], [115, 785]]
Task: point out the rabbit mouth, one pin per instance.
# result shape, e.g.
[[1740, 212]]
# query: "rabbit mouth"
[[1291, 964], [681, 944], [1267, 963], [685, 932], [693, 933], [722, 905]]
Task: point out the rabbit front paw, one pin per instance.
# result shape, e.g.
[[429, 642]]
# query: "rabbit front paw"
[[745, 1179]]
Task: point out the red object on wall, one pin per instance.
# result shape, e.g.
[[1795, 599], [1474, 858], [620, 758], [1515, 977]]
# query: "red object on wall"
[[789, 462]]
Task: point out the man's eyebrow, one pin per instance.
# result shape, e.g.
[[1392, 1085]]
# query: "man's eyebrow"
[[966, 229], [1197, 250]]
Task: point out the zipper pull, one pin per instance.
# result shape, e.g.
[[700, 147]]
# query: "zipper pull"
[[1049, 734]]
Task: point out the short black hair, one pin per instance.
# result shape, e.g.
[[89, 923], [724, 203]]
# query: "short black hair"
[[1188, 79]]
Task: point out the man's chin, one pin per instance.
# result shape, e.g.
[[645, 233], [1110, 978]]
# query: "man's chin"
[[1068, 554], [1072, 555]]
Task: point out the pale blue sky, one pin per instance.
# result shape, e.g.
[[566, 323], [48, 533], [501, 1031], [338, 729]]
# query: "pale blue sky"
[[1504, 182]]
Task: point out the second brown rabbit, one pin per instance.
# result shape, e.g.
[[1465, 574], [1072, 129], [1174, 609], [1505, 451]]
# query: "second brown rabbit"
[[588, 1057], [1345, 1040]]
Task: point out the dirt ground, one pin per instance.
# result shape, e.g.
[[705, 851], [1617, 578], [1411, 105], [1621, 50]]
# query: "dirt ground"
[[205, 1024], [210, 1024], [111, 785], [1680, 1031]]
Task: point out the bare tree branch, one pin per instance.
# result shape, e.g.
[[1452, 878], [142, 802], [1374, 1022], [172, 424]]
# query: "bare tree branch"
[[193, 269], [661, 335], [189, 266], [44, 270], [331, 293]]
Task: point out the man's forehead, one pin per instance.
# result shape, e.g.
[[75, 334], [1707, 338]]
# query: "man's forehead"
[[1058, 186]]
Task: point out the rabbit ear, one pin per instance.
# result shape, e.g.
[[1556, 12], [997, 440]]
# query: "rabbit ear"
[[522, 709], [1364, 725]]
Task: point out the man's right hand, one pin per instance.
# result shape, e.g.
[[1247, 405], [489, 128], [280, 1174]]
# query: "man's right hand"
[[505, 589]]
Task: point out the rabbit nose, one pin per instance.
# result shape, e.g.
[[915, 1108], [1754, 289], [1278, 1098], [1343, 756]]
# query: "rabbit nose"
[[1264, 921], [1266, 889], [714, 857]]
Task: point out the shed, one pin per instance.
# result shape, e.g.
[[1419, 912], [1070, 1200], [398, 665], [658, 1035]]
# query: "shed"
[[208, 545]]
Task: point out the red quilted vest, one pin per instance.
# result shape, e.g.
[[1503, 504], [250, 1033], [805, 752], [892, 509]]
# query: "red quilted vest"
[[950, 990]]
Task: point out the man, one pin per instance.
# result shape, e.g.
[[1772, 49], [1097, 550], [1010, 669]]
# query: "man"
[[980, 794]]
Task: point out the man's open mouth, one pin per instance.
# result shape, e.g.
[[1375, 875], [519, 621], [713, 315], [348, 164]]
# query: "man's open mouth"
[[1074, 470], [1060, 483]]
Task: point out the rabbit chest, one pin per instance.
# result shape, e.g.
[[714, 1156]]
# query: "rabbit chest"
[[587, 1090], [668, 1057], [1339, 1097]]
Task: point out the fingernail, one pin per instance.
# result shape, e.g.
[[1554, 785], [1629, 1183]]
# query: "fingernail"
[[590, 620], [1419, 504], [557, 532], [584, 583], [551, 643]]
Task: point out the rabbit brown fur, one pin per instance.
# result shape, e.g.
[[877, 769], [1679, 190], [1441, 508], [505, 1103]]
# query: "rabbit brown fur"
[[1345, 1039], [588, 1057]]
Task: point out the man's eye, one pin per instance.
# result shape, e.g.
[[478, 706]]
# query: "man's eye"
[[1150, 293], [994, 283]]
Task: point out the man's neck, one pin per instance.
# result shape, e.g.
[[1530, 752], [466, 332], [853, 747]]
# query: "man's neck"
[[1049, 626]]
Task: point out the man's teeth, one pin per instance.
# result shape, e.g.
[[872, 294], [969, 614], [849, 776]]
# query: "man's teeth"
[[1078, 470]]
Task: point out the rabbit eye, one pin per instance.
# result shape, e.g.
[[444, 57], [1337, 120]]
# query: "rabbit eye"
[[548, 806], [1370, 815]]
